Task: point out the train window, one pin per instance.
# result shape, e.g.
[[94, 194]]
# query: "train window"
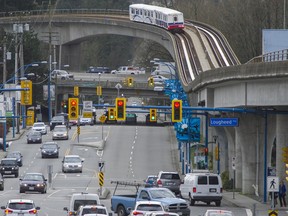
[[132, 10], [165, 17], [145, 12], [175, 18], [137, 12], [141, 12]]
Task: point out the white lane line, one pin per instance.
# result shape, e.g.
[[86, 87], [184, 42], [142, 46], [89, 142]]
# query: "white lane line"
[[249, 212]]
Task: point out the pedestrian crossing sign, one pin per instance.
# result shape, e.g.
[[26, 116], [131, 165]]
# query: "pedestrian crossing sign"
[[272, 183]]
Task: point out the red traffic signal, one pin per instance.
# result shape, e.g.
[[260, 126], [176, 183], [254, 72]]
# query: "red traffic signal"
[[206, 151], [176, 110], [120, 102]]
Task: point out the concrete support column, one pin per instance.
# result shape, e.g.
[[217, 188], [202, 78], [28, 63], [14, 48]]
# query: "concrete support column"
[[71, 55], [281, 141], [246, 136]]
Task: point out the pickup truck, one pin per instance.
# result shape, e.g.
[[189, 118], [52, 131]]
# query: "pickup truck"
[[128, 70], [121, 204]]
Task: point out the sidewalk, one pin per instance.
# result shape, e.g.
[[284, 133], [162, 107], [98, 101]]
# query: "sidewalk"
[[257, 208]]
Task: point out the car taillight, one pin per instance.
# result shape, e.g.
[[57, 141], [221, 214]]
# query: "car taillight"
[[159, 183], [34, 211], [221, 190], [8, 211], [137, 213], [194, 190]]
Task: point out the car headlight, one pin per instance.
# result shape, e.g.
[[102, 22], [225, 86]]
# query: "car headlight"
[[23, 184], [43, 151], [55, 151], [66, 165], [40, 185]]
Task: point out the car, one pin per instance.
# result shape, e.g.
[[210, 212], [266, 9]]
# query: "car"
[[150, 181], [50, 149], [86, 121], [34, 137], [17, 155], [59, 119], [72, 163], [170, 180], [20, 207], [215, 212], [141, 207], [60, 132], [1, 183], [62, 75], [39, 127], [131, 118], [98, 70], [202, 186], [158, 78], [81, 199], [99, 210], [33, 182], [9, 166], [73, 122]]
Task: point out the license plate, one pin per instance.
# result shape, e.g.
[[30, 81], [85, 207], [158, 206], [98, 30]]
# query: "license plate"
[[8, 172], [20, 214], [31, 188], [213, 190]]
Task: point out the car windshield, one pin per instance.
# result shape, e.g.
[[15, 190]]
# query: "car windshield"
[[60, 129], [58, 118], [33, 177], [38, 125], [34, 134], [94, 210], [79, 203], [13, 155], [20, 206], [72, 159], [156, 194], [8, 162], [49, 146]]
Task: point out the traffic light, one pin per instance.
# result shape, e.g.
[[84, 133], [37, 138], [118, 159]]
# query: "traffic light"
[[153, 115], [216, 153], [99, 90], [76, 90], [73, 110], [206, 151], [26, 96], [176, 110], [151, 81], [111, 114], [130, 81], [64, 105], [120, 108], [286, 165]]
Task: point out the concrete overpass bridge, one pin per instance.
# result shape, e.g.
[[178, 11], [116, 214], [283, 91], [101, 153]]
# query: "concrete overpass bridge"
[[260, 86]]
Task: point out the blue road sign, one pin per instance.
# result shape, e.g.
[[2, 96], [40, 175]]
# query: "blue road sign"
[[223, 122]]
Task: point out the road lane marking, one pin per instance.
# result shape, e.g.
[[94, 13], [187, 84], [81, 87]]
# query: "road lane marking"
[[249, 212]]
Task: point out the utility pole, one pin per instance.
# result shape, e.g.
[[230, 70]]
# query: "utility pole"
[[4, 61], [50, 65]]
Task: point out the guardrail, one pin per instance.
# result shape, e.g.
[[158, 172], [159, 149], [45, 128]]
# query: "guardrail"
[[281, 55], [64, 11]]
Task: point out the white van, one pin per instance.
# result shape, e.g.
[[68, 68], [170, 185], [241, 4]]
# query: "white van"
[[81, 199], [205, 187]]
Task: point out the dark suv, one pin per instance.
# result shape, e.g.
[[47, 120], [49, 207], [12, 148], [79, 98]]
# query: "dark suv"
[[170, 180], [59, 119], [9, 166]]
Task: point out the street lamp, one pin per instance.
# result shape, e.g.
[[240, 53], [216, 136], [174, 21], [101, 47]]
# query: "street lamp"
[[99, 87], [169, 65]]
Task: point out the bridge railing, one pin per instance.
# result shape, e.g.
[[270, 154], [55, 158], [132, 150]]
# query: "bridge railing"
[[281, 55], [65, 11]]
